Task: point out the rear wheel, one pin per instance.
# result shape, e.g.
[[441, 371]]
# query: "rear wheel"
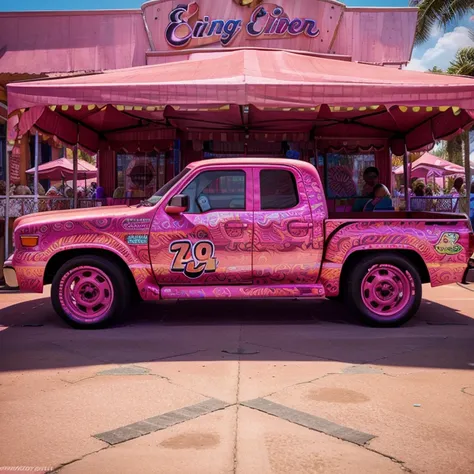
[[385, 290], [90, 292]]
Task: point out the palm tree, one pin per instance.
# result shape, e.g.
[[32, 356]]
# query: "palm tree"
[[438, 12], [463, 63]]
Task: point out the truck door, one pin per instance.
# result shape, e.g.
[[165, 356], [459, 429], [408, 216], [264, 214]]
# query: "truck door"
[[283, 229], [211, 242]]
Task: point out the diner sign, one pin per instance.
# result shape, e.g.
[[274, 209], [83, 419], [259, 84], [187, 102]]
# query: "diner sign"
[[187, 28]]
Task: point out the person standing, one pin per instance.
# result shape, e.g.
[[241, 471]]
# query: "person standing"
[[457, 187]]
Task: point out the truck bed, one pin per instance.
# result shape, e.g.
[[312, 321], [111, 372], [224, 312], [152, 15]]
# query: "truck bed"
[[396, 216]]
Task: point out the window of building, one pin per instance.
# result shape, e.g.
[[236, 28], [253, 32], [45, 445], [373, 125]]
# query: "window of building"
[[278, 190], [345, 174], [138, 176], [216, 190]]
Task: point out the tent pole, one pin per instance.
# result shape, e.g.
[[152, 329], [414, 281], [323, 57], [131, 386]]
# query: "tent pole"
[[74, 182], [7, 206], [35, 182], [406, 173], [467, 167]]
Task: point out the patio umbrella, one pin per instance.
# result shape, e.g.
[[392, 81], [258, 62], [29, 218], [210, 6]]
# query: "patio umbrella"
[[62, 169], [430, 165]]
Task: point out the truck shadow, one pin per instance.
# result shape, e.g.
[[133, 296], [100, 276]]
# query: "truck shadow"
[[33, 337]]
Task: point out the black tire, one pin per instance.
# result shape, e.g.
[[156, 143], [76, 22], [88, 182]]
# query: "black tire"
[[383, 263], [120, 284]]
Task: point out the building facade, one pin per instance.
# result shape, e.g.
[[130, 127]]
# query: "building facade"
[[35, 45]]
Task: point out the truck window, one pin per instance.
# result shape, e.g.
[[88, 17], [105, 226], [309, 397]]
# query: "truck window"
[[277, 190], [164, 189], [216, 190]]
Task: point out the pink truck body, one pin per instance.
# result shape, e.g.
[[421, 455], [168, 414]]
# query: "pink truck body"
[[247, 251]]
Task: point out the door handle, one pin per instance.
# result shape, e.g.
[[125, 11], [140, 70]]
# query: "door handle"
[[300, 225], [237, 225]]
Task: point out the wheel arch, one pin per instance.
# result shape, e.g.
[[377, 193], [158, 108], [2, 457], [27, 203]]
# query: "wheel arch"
[[59, 258], [411, 255]]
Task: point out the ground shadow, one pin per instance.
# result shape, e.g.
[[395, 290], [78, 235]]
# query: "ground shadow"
[[33, 337]]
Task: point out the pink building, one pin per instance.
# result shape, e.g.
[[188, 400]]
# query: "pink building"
[[36, 45]]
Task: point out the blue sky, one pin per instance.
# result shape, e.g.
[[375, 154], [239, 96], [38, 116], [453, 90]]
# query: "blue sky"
[[18, 5], [438, 51]]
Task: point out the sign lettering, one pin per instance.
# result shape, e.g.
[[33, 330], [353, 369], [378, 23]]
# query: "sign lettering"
[[266, 21]]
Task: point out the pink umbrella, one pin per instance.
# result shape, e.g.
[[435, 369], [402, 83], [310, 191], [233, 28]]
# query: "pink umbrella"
[[429, 165], [62, 169]]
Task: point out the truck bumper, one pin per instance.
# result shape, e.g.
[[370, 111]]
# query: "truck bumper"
[[469, 273], [9, 274]]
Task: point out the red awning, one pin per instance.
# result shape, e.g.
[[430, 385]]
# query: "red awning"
[[288, 93]]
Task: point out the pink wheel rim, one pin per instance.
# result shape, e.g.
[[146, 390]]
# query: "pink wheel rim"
[[386, 290], [86, 294]]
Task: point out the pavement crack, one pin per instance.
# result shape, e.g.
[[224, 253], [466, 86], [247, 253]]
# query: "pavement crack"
[[294, 352], [177, 355], [237, 403], [78, 381], [407, 351], [79, 353], [300, 383], [401, 464], [58, 469]]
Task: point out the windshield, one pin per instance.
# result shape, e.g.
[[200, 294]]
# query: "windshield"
[[158, 196]]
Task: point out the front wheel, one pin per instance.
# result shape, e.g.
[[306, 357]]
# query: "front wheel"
[[90, 292], [384, 289]]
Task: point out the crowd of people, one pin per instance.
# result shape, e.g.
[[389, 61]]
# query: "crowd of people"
[[377, 197], [419, 189]]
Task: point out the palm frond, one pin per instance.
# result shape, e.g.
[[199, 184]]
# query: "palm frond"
[[463, 63], [442, 12], [455, 9]]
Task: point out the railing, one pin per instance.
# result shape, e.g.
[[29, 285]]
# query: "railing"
[[24, 205], [435, 203]]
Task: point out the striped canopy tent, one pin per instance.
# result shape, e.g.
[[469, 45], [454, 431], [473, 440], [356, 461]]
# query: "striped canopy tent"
[[246, 93]]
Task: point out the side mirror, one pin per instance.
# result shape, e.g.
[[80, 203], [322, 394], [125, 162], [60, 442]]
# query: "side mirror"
[[178, 204]]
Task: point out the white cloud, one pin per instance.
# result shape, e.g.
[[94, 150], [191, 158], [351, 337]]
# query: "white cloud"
[[443, 52], [437, 31]]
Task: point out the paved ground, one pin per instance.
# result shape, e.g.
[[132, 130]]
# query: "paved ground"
[[251, 387]]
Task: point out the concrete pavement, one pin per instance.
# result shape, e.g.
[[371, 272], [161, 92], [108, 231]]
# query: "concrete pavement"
[[247, 387]]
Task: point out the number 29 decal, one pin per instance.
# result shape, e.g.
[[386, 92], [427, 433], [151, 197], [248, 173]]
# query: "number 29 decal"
[[193, 259]]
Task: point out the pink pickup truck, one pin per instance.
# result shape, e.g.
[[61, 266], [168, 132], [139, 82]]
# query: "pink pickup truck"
[[233, 229]]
